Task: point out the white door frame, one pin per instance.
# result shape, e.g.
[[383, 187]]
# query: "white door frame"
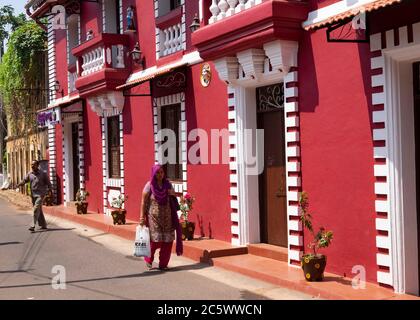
[[402, 184], [68, 168]]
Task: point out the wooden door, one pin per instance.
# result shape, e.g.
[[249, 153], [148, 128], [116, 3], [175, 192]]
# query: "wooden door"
[[75, 158], [416, 82], [272, 182]]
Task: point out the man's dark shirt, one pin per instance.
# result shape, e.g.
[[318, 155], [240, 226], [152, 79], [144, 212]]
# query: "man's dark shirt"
[[40, 183]]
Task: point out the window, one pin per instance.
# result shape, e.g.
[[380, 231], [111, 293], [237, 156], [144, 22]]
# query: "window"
[[73, 36], [175, 4], [171, 116], [166, 6], [113, 125], [112, 16]]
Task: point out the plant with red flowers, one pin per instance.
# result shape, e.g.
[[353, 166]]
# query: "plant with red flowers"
[[186, 205]]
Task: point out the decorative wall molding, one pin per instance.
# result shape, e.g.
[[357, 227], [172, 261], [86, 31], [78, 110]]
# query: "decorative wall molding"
[[51, 59], [385, 116], [110, 185], [109, 103], [67, 120], [159, 103], [253, 65], [245, 72]]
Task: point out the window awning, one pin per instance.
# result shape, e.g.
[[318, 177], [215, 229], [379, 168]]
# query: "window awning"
[[150, 74], [341, 11]]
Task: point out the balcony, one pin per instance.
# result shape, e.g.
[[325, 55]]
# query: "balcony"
[[235, 25], [221, 9], [102, 63], [171, 37]]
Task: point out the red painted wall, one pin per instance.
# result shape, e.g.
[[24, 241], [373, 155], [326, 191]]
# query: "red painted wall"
[[90, 18], [337, 150], [207, 109], [93, 159], [138, 149], [146, 36], [61, 61]]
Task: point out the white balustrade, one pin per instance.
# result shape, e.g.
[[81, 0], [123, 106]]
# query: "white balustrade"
[[93, 61], [171, 40], [221, 9]]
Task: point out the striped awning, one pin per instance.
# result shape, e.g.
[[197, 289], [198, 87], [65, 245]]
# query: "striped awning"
[[340, 11]]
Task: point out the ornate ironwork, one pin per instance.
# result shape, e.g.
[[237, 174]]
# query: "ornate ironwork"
[[73, 7], [353, 29], [175, 80], [270, 98]]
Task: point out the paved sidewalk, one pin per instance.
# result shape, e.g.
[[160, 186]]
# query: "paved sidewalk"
[[224, 255]]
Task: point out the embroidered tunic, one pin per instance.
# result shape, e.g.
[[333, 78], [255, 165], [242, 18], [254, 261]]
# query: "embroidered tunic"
[[159, 218]]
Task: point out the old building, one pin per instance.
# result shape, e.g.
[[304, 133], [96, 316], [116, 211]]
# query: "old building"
[[339, 117]]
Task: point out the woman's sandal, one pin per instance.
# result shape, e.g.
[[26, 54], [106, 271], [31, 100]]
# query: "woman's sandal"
[[149, 265]]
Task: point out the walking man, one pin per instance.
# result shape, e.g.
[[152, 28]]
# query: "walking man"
[[40, 186]]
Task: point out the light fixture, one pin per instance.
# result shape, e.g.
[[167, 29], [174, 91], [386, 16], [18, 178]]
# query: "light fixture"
[[57, 87], [195, 24], [136, 54]]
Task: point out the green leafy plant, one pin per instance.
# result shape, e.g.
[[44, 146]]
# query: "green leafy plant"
[[322, 238], [186, 205], [119, 201], [81, 196]]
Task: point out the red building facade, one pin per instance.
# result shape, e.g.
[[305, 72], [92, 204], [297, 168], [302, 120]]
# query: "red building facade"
[[339, 118]]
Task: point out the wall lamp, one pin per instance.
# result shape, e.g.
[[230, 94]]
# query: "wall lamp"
[[136, 55]]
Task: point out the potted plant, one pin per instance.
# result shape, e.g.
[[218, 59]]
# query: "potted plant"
[[313, 263], [118, 213], [188, 227], [81, 201], [49, 199]]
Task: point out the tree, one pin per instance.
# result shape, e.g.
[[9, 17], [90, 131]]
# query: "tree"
[[22, 74], [8, 19]]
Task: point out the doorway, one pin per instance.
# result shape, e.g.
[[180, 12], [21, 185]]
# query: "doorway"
[[272, 181], [75, 158]]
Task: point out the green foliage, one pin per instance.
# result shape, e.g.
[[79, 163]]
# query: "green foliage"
[[81, 196], [323, 238], [119, 202], [22, 68]]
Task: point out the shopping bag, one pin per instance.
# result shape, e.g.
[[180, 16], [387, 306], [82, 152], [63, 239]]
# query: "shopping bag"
[[142, 242]]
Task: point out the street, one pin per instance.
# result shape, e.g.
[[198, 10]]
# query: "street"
[[94, 265]]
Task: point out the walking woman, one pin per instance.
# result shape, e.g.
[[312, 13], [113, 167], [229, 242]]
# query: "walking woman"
[[159, 212]]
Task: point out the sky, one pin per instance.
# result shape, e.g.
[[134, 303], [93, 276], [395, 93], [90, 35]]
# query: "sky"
[[17, 4]]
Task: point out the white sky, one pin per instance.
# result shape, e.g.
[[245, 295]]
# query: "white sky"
[[19, 5]]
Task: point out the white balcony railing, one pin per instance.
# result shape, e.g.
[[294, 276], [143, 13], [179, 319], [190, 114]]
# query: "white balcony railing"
[[171, 40], [221, 9], [95, 60]]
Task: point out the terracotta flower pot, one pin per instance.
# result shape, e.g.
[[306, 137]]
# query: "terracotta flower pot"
[[313, 267], [82, 208], [118, 216], [49, 200], [187, 230]]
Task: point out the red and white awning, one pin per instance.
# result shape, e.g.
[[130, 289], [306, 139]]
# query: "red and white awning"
[[342, 10]]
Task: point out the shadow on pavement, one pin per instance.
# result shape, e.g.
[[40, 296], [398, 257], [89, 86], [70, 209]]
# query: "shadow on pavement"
[[53, 229], [12, 271], [9, 243]]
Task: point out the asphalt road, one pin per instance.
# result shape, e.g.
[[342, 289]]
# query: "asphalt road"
[[94, 265]]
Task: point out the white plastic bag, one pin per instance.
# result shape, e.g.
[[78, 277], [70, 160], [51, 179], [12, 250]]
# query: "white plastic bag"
[[142, 242]]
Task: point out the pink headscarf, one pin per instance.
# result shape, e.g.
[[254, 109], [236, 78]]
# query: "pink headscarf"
[[160, 193]]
